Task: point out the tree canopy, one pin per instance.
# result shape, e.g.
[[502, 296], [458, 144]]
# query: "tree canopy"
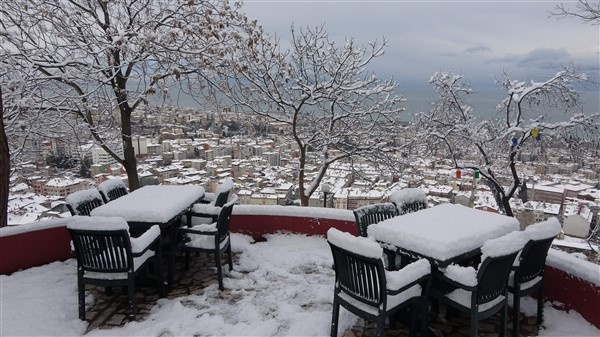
[[332, 107]]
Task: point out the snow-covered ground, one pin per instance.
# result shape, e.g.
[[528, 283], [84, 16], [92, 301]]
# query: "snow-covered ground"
[[281, 287]]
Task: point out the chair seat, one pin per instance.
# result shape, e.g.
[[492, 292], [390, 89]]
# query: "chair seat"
[[525, 285], [392, 300], [137, 262], [463, 297], [204, 241]]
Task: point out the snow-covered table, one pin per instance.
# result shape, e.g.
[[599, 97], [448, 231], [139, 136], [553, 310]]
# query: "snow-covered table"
[[149, 205], [443, 234]]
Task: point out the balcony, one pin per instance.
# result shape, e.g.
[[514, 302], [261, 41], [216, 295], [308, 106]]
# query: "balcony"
[[281, 285]]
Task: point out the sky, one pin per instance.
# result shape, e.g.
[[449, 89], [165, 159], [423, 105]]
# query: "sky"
[[477, 39], [290, 295]]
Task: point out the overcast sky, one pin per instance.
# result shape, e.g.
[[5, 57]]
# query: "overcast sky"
[[478, 39]]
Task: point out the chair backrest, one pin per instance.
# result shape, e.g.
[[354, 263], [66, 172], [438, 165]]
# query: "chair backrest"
[[409, 200], [105, 251], [112, 189], [359, 276], [225, 217], [83, 202], [533, 259], [411, 207], [492, 277], [222, 192], [371, 214]]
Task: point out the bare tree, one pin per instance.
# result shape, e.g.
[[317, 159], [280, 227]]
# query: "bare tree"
[[4, 167], [588, 11], [492, 145], [101, 60], [332, 107]]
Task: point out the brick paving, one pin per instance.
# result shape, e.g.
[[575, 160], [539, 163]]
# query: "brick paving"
[[109, 311]]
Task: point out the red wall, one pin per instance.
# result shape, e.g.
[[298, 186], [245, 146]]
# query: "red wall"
[[34, 248], [259, 225], [574, 293]]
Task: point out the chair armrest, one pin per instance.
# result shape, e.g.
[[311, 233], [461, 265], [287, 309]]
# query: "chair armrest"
[[413, 273], [208, 198], [206, 210], [142, 243], [203, 229], [461, 277]]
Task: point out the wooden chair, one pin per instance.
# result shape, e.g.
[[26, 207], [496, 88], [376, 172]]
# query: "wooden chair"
[[409, 200], [208, 209], [366, 289], [481, 292], [83, 202], [527, 276], [206, 238], [112, 189], [107, 256]]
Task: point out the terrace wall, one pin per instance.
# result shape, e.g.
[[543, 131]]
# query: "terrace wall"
[[574, 283]]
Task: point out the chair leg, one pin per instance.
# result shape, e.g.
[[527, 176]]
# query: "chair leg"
[[474, 324], [229, 258], [424, 315], [159, 277], [540, 304], [503, 324], [219, 269], [334, 318], [131, 299], [379, 325], [516, 310], [81, 296]]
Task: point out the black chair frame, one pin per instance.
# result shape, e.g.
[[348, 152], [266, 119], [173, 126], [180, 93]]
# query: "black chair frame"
[[531, 265], [222, 243], [114, 193], [85, 207], [411, 207], [492, 280], [109, 252], [363, 279], [372, 214]]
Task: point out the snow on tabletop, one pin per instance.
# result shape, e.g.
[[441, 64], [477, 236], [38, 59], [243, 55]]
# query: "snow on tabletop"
[[510, 243], [99, 223], [407, 196], [140, 243], [570, 264], [356, 244], [543, 230], [443, 231], [411, 272], [110, 184], [78, 197], [156, 203], [462, 275]]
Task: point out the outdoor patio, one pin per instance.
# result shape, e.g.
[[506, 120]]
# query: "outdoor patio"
[[110, 311]]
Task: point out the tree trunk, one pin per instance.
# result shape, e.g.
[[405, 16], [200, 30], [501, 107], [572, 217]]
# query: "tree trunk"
[[130, 162], [4, 168]]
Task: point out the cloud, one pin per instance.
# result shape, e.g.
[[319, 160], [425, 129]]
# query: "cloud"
[[541, 58], [478, 48]]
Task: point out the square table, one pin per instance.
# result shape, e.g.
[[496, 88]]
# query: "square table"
[[161, 205], [152, 205], [444, 234]]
